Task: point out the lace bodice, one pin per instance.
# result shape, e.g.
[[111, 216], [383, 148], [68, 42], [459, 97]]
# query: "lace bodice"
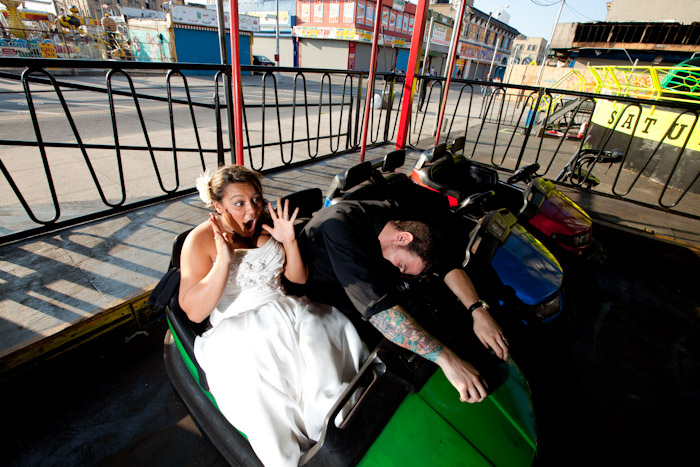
[[258, 267], [254, 279]]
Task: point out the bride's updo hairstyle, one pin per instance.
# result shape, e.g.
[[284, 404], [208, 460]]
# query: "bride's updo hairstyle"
[[212, 187]]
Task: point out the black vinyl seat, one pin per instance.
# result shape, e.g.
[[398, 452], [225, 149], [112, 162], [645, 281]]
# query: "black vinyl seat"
[[442, 177], [185, 329], [475, 177], [185, 373]]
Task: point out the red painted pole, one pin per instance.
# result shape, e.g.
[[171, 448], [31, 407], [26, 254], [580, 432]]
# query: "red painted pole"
[[370, 80], [237, 110], [450, 66], [411, 71]]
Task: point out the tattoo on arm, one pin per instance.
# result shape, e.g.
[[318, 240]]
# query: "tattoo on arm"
[[401, 329]]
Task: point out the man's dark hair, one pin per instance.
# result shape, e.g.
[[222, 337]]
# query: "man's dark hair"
[[425, 240]]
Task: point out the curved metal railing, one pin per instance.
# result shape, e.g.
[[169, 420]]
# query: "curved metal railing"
[[297, 116], [330, 101]]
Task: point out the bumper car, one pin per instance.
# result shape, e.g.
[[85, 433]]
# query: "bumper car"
[[543, 209], [403, 409]]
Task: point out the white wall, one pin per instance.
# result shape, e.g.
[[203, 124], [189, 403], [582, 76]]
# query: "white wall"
[[563, 35], [263, 45], [681, 11], [320, 53]]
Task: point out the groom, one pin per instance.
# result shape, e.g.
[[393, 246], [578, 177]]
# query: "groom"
[[359, 251]]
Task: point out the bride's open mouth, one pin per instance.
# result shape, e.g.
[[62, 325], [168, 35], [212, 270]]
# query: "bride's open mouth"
[[249, 226]]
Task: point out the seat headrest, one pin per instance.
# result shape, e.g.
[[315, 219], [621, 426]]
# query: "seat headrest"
[[394, 160], [458, 145], [436, 152], [355, 175], [308, 201]]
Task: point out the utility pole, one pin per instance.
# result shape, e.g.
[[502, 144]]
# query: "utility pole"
[[424, 71], [277, 32], [512, 61], [549, 44], [486, 35], [493, 59], [228, 84], [427, 47]]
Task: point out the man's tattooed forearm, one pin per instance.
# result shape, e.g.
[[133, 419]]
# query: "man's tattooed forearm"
[[403, 330]]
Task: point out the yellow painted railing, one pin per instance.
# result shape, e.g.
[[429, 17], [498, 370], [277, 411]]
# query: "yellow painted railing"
[[680, 83], [572, 81]]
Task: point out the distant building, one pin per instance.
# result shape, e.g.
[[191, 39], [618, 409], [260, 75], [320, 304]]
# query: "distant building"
[[645, 11], [98, 8], [483, 36], [265, 41], [645, 32], [485, 44], [446, 7], [337, 34], [526, 50], [195, 35], [439, 43]]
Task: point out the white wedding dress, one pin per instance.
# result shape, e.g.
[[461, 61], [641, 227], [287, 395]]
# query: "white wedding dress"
[[275, 363]]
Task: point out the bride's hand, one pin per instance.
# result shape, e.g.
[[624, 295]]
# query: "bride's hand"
[[222, 239], [282, 228]]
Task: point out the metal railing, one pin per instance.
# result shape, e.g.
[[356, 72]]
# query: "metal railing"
[[291, 116], [163, 124], [508, 126]]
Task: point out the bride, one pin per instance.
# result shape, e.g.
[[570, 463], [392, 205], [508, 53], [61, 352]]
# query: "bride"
[[275, 363]]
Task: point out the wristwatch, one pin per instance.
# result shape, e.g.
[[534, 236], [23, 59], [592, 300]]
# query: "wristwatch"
[[477, 305]]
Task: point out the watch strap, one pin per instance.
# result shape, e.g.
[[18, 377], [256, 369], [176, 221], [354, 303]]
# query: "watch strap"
[[478, 304]]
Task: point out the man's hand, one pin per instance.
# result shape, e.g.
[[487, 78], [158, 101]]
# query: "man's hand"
[[485, 327], [463, 376], [489, 333], [400, 328]]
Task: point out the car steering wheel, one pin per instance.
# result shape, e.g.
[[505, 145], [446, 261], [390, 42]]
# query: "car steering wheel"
[[524, 174], [475, 203]]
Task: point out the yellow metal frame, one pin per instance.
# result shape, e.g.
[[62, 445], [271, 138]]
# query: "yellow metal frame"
[[643, 82], [572, 81]]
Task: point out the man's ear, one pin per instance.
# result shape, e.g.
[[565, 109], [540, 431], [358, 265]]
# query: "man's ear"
[[404, 238]]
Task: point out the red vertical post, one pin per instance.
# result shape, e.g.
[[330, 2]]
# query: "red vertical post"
[[411, 71], [450, 66], [237, 111], [370, 80]]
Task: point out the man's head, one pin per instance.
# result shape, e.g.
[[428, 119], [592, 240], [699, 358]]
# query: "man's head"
[[408, 245]]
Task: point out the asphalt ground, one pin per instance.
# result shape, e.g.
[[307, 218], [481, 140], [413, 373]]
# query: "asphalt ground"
[[620, 386]]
